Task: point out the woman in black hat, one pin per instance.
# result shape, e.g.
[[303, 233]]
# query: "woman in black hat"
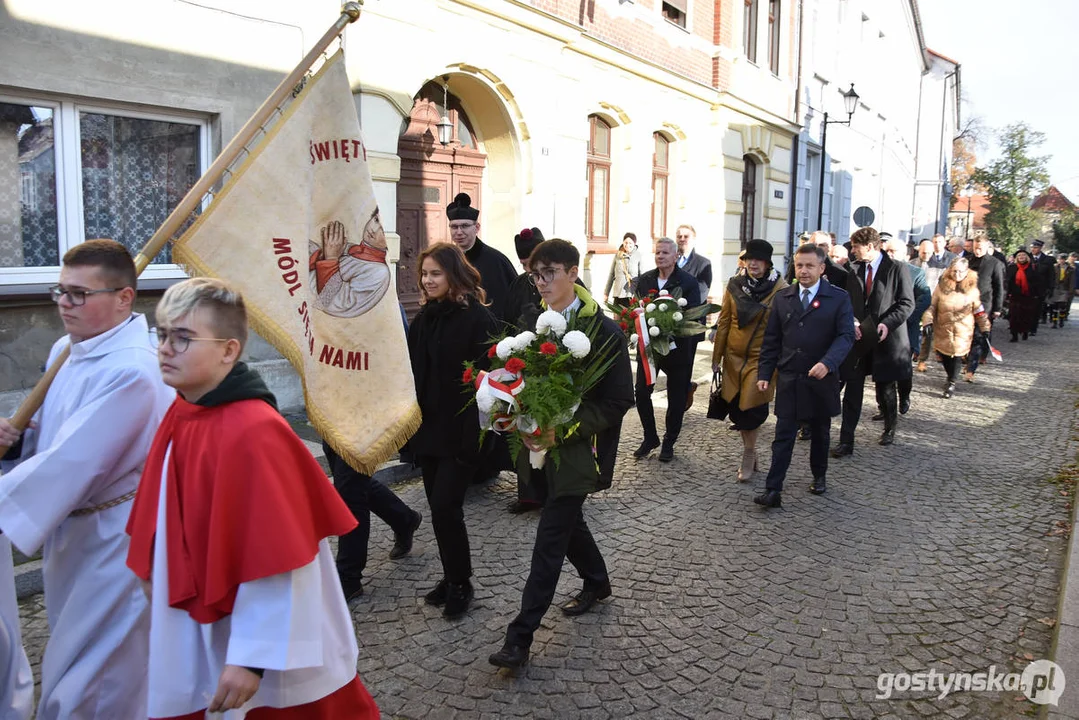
[[739, 334]]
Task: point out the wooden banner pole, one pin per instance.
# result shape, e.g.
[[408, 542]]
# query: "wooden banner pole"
[[350, 12]]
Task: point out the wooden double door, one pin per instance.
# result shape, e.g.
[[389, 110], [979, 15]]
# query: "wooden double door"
[[431, 176]]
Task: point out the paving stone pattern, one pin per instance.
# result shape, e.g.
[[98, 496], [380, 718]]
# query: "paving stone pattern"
[[933, 553]]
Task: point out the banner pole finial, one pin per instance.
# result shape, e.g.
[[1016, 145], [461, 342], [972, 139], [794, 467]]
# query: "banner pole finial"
[[352, 9]]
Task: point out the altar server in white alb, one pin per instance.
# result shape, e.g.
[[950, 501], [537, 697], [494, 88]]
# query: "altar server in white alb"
[[16, 681], [78, 468], [230, 530]]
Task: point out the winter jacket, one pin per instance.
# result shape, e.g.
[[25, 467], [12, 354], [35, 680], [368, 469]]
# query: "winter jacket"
[[955, 308]]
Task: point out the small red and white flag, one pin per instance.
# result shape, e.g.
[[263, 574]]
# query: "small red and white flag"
[[996, 354]]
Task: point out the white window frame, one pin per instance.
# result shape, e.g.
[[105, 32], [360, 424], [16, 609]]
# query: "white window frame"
[[70, 217]]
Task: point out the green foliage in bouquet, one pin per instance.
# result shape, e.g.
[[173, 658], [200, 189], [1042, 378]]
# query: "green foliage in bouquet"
[[558, 363], [667, 317]]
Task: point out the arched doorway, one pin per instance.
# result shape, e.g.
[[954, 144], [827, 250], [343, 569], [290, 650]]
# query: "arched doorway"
[[431, 175]]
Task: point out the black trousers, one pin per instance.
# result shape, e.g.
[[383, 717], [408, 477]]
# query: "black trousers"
[[527, 486], [678, 370], [951, 366], [561, 535], [820, 435], [887, 400], [363, 495], [445, 480]]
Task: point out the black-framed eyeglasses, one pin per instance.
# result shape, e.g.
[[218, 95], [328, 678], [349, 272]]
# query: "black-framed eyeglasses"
[[177, 340], [547, 275], [76, 297], [462, 226]]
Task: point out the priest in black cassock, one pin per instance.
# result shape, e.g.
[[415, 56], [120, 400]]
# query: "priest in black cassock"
[[496, 271]]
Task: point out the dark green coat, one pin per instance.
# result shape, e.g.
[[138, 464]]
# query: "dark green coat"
[[586, 459]]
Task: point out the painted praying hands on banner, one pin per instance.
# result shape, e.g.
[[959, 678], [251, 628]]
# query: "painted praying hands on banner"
[[349, 279], [328, 355]]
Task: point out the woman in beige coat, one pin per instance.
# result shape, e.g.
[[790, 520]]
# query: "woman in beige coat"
[[739, 334], [956, 307]]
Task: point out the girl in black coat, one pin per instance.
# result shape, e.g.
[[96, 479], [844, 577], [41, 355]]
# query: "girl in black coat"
[[453, 326]]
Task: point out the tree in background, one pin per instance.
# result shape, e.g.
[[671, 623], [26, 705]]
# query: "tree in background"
[[964, 163], [1066, 232], [1012, 181], [965, 148]]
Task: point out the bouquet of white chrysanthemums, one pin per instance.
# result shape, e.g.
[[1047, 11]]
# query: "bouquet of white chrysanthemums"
[[661, 317], [536, 382]]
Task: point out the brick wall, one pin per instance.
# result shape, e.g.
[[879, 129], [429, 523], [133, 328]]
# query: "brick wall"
[[641, 38]]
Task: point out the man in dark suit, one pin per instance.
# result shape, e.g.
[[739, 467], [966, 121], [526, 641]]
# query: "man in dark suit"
[[693, 262], [809, 333], [940, 259], [923, 296], [883, 298], [1043, 268], [991, 286], [677, 365]]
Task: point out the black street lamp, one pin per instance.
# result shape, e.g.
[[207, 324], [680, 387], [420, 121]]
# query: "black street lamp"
[[968, 193], [850, 104]]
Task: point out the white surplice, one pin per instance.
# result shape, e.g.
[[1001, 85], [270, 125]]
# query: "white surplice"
[[93, 435], [16, 680], [295, 625]]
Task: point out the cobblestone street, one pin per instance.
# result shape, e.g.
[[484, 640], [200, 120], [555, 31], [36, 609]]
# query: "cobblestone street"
[[942, 551]]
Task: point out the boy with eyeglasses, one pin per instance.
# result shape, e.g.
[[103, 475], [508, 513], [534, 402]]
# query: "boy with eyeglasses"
[[586, 462], [229, 532], [77, 469]]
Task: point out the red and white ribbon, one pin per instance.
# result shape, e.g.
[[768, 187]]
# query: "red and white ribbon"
[[641, 325], [505, 386]]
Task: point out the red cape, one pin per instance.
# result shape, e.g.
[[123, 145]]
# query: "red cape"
[[245, 500]]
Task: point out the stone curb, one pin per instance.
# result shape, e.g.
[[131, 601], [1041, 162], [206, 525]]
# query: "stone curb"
[[1065, 647]]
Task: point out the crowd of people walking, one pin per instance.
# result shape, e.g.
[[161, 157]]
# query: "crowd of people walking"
[[800, 345]]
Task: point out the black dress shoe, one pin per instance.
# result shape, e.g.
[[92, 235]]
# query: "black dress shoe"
[[904, 405], [511, 657], [887, 437], [352, 590], [437, 596], [769, 499], [666, 453], [458, 599], [402, 544], [842, 450], [646, 447], [819, 486], [949, 390], [583, 601], [878, 417], [517, 507]]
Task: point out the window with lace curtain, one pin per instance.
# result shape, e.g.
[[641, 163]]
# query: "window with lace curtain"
[[72, 171]]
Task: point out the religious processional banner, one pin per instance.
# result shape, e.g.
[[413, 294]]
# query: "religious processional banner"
[[297, 231]]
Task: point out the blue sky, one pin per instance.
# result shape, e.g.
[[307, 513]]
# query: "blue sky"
[[1019, 61]]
